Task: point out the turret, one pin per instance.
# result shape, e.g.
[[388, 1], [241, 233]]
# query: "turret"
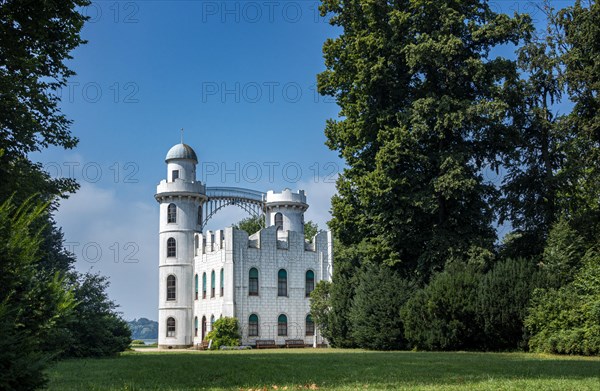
[[285, 210], [181, 198]]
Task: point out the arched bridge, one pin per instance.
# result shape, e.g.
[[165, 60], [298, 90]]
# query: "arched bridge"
[[251, 201]]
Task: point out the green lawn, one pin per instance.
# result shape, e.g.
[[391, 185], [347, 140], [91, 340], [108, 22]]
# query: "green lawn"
[[330, 369]]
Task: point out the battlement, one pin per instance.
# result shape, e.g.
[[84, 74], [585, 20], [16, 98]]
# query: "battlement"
[[179, 187], [286, 196]]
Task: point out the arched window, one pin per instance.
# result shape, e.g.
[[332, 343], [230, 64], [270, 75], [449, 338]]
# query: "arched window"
[[282, 325], [282, 283], [203, 327], [278, 221], [253, 282], [196, 244], [196, 286], [222, 282], [170, 327], [200, 215], [171, 288], [212, 284], [212, 321], [253, 326], [310, 282], [195, 326], [171, 247], [204, 285], [171, 213], [310, 326]]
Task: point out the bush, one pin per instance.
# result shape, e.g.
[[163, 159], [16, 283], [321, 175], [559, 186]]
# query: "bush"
[[567, 320], [503, 299], [225, 332], [375, 312], [443, 315]]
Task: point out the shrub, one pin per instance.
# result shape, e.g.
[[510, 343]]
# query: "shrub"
[[443, 315], [375, 312], [567, 320], [225, 332], [503, 299]]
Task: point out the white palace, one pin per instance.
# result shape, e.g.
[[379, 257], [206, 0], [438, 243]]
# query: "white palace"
[[263, 279]]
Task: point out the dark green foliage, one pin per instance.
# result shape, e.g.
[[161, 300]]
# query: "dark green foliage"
[[143, 328], [375, 312], [95, 329], [423, 110], [251, 224], [502, 301], [225, 332], [254, 224], [320, 307], [36, 37], [562, 255], [567, 320], [310, 230], [444, 315], [31, 304]]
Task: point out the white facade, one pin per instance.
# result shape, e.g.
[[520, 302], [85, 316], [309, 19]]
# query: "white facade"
[[263, 279]]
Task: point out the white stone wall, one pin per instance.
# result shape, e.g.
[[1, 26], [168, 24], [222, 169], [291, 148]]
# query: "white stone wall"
[[229, 249], [187, 200]]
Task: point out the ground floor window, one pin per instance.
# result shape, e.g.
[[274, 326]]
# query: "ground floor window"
[[170, 327], [282, 326], [253, 326]]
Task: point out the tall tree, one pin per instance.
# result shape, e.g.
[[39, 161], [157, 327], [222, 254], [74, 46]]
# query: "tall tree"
[[424, 108], [531, 183], [31, 304], [578, 36]]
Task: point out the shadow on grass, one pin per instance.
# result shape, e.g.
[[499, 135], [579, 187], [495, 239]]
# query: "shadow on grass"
[[324, 368]]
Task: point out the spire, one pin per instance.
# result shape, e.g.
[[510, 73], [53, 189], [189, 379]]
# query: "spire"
[[182, 135]]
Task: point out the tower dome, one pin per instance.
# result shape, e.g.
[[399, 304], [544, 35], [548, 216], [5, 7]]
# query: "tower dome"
[[181, 151]]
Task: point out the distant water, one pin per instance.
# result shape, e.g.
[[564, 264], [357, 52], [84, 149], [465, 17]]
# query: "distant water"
[[149, 341]]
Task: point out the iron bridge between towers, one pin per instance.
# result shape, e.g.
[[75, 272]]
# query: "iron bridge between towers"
[[251, 201]]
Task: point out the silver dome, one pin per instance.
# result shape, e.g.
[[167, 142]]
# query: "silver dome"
[[181, 151]]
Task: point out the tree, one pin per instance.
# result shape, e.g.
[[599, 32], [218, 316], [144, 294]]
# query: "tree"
[[502, 302], [31, 305], [251, 224], [567, 320], [310, 230], [444, 315], [225, 332], [577, 33], [424, 109], [94, 328], [375, 313], [320, 307], [531, 186], [254, 224]]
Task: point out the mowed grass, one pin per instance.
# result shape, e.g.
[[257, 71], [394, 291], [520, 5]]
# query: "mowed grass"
[[327, 369]]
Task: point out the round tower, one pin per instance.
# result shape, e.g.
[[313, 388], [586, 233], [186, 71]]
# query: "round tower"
[[285, 210], [181, 198]]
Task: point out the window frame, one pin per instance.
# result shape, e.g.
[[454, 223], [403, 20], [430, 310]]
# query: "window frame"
[[253, 328], [251, 284], [282, 283], [204, 285], [282, 327], [309, 332], [222, 280], [171, 327], [307, 292], [171, 213], [171, 247], [212, 283], [171, 287]]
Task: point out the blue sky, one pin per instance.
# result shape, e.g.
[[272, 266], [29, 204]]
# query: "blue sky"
[[238, 76]]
